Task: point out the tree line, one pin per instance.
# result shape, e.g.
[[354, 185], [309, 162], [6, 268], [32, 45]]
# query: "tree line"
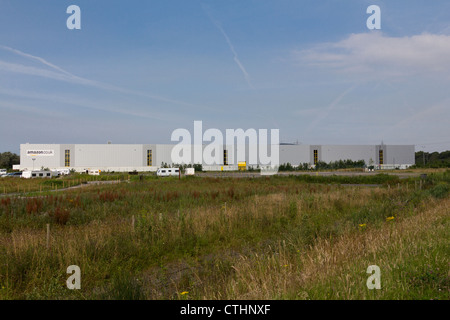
[[333, 165], [433, 159], [8, 159]]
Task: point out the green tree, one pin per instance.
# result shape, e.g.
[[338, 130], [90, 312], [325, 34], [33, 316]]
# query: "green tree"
[[8, 159]]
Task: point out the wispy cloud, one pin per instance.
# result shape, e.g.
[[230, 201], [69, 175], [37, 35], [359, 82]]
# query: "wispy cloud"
[[60, 100], [39, 59], [34, 71], [376, 54], [57, 73], [235, 55]]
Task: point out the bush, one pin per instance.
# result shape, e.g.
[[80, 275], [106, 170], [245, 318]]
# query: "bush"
[[440, 191], [198, 167], [286, 167], [61, 215], [340, 164]]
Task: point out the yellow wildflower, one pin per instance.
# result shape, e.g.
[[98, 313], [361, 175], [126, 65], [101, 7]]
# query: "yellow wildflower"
[[390, 218]]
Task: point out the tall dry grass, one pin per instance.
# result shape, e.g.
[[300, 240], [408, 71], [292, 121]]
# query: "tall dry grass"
[[217, 239], [336, 269]]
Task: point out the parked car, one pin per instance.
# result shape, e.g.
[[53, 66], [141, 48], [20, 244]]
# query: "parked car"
[[3, 172], [13, 175]]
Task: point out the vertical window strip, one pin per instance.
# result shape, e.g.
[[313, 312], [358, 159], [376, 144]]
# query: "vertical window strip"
[[67, 158], [225, 157], [149, 158]]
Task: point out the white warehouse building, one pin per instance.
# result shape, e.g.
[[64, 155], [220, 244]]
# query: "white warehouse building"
[[149, 157]]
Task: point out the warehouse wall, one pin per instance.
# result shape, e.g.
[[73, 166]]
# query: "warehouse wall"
[[349, 152], [115, 156], [108, 155], [146, 147], [294, 154], [244, 154], [62, 154], [163, 154], [400, 154], [54, 161]]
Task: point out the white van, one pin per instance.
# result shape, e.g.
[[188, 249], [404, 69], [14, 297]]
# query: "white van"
[[3, 172], [39, 174], [167, 172]]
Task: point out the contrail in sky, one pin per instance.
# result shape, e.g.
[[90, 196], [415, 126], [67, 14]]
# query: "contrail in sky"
[[236, 59], [66, 76], [39, 59], [332, 105]]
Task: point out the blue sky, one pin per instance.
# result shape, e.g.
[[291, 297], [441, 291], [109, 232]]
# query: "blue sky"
[[137, 70]]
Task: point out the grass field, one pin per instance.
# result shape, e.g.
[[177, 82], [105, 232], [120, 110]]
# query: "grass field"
[[279, 237]]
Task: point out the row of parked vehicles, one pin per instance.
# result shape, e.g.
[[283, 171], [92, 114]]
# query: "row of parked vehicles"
[[161, 172], [11, 174], [34, 173]]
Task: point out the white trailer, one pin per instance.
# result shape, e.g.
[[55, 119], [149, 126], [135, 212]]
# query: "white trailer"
[[167, 172], [94, 172], [31, 174], [63, 172]]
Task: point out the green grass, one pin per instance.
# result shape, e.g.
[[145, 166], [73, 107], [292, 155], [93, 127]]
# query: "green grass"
[[37, 186], [381, 178], [289, 237]]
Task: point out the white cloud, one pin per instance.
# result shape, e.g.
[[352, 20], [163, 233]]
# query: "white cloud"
[[379, 54]]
